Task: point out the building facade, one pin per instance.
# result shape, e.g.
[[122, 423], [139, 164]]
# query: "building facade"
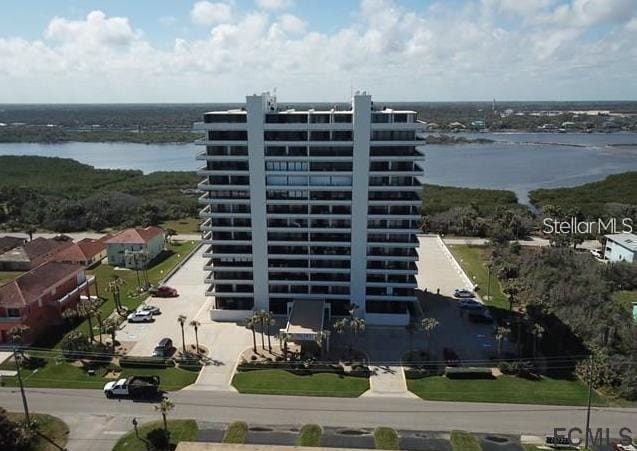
[[313, 204], [37, 298], [621, 247], [134, 248]]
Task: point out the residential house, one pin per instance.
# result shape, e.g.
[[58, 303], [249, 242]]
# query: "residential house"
[[86, 252], [33, 253], [38, 298], [135, 247], [10, 242], [621, 247]]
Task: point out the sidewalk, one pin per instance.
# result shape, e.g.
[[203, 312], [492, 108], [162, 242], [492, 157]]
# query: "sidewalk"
[[388, 381]]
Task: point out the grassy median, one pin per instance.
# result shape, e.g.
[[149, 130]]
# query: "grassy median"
[[506, 389], [463, 441], [52, 427], [281, 382], [180, 431], [386, 438]]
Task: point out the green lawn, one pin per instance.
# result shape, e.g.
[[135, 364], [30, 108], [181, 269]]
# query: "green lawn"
[[310, 435], [624, 297], [281, 382], [180, 431], [52, 427], [7, 276], [236, 433], [182, 226], [176, 252], [472, 259], [508, 389], [464, 441], [386, 438], [65, 375]]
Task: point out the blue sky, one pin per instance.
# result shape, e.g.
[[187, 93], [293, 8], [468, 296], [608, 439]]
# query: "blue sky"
[[220, 50]]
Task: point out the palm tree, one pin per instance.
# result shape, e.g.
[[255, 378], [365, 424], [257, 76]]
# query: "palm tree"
[[340, 326], [268, 318], [195, 325], [165, 406], [538, 332], [512, 289], [501, 333], [181, 319], [261, 314], [100, 323], [283, 343], [252, 325], [114, 288], [110, 326], [358, 326], [17, 333], [428, 325]]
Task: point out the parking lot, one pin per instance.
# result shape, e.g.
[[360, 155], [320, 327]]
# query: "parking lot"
[[225, 341]]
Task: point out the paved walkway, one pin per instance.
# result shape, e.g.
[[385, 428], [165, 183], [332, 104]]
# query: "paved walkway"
[[436, 268], [388, 381]]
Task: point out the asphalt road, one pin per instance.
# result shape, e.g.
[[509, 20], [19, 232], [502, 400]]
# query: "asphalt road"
[[359, 412]]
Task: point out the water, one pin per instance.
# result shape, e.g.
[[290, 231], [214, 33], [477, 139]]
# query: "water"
[[519, 162]]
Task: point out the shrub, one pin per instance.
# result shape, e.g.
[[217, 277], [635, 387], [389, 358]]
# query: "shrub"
[[145, 362], [468, 373], [159, 439]]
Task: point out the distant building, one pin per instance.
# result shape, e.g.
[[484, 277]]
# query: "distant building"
[[478, 125], [33, 253], [134, 248], [86, 252], [10, 242], [38, 298], [621, 247]]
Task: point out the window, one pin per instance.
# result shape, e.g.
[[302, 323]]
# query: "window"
[[13, 313]]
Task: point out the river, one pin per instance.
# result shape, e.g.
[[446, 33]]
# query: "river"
[[519, 162]]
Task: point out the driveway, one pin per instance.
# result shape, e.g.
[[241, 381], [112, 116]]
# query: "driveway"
[[225, 341]]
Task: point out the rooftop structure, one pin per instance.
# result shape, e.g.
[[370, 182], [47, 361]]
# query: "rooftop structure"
[[621, 247], [318, 204], [33, 253]]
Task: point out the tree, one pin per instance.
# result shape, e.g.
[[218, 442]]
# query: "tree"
[[17, 334], [13, 435], [428, 325], [538, 332], [195, 325], [501, 334], [110, 326], [181, 319], [252, 325], [114, 287], [512, 289], [169, 233], [268, 318], [357, 325], [261, 316], [165, 406], [283, 342]]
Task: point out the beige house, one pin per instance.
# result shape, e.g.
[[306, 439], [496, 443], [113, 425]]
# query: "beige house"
[[136, 247]]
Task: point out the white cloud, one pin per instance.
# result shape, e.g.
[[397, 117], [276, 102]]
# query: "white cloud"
[[209, 13], [584, 13], [274, 4], [447, 51], [168, 21], [96, 29]]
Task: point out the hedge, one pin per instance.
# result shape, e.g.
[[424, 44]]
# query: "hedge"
[[468, 373], [145, 362]]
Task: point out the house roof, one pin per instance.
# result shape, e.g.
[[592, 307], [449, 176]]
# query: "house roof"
[[35, 249], [83, 250], [136, 235], [9, 242], [30, 286], [627, 240]]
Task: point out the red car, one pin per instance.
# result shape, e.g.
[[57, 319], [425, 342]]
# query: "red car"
[[164, 292]]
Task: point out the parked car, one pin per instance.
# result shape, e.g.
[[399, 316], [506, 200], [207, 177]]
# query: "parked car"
[[597, 253], [163, 348], [470, 304], [451, 357], [133, 386], [140, 317], [163, 292], [463, 293], [149, 308]]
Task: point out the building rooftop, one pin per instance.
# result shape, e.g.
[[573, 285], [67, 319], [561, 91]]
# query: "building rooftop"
[[627, 240], [83, 250], [30, 286], [34, 249], [135, 235], [9, 242]]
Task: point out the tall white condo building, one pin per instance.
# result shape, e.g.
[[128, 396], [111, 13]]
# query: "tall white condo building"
[[311, 205]]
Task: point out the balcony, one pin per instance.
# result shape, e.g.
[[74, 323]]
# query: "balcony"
[[75, 293]]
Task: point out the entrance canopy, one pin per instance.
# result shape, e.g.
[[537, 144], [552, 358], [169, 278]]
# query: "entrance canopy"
[[306, 320]]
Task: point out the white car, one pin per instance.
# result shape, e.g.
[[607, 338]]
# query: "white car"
[[470, 304], [597, 254], [140, 317], [463, 293], [149, 308]]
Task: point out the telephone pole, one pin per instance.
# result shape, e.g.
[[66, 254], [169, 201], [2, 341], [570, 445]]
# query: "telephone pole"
[[590, 396], [24, 396]]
